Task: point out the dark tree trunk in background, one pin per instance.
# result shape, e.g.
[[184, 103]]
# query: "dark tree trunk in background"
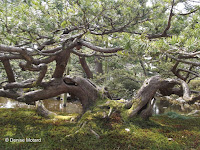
[[9, 71], [86, 68], [143, 67], [98, 65]]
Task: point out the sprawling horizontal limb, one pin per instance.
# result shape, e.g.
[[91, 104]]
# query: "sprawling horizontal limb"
[[100, 49]]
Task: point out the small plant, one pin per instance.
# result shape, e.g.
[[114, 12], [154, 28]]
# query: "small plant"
[[175, 115]]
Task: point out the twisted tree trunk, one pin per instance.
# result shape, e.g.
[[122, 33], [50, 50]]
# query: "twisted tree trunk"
[[166, 87], [143, 103], [88, 93], [82, 88]]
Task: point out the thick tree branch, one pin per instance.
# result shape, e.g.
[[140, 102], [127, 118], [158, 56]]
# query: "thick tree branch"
[[164, 34], [10, 56], [43, 70], [82, 88], [9, 71], [169, 20], [188, 55], [41, 67], [149, 89], [176, 72], [11, 49], [193, 11], [92, 54], [61, 62], [186, 90], [183, 61], [9, 94], [44, 61], [100, 49], [82, 54], [24, 84], [51, 50], [85, 67], [189, 72], [49, 42]]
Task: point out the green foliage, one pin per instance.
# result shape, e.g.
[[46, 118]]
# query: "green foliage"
[[174, 115], [27, 21], [195, 84], [121, 83]]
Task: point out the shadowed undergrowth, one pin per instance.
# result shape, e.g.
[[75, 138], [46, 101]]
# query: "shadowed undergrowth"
[[94, 132]]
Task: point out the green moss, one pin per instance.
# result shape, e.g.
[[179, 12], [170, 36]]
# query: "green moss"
[[160, 132], [195, 84], [134, 105]]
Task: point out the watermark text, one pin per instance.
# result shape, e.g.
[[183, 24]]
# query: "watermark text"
[[30, 140]]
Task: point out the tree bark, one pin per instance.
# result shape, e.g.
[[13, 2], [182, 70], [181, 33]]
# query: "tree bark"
[[98, 65], [9, 71], [166, 87], [143, 67], [87, 93], [86, 68], [42, 111], [82, 88], [61, 63], [145, 96]]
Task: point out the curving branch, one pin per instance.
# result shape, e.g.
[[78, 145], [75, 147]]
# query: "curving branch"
[[169, 20], [9, 71], [24, 84], [176, 72], [85, 67], [45, 60], [10, 56], [193, 11], [42, 68], [148, 90], [92, 54], [43, 45], [9, 94], [11, 49], [43, 71], [100, 49], [188, 72], [61, 63], [51, 50], [82, 88], [189, 55], [164, 34], [82, 54], [183, 61]]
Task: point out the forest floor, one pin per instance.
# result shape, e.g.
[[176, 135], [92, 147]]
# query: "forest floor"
[[24, 129]]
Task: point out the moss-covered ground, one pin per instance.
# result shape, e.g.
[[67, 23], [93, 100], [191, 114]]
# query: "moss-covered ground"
[[164, 132]]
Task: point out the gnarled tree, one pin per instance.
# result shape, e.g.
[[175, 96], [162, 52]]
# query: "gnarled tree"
[[37, 35]]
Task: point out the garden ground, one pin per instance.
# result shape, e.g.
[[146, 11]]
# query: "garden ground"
[[168, 131]]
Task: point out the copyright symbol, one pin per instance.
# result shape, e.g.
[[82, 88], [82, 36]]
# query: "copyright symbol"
[[6, 139]]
